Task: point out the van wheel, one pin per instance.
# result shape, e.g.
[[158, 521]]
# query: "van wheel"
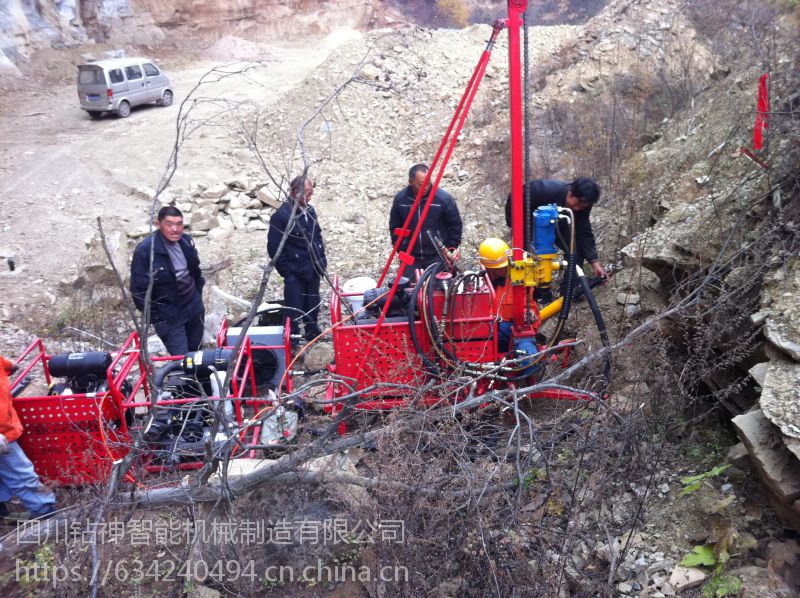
[[166, 98], [124, 109], [95, 115]]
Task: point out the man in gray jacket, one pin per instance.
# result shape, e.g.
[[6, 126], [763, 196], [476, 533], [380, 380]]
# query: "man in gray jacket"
[[176, 302]]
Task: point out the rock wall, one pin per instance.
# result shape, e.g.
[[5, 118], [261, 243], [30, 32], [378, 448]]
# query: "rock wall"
[[26, 25], [125, 21], [702, 207]]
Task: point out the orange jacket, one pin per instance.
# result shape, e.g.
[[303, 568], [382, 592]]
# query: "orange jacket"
[[10, 426], [504, 301]]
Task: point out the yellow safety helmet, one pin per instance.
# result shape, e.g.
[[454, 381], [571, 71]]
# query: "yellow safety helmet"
[[493, 253]]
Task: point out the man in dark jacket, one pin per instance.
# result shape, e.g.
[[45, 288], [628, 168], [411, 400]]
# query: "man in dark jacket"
[[176, 302], [302, 260], [442, 220], [579, 196]]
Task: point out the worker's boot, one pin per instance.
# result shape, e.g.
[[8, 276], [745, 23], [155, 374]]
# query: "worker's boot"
[[312, 332], [9, 517], [27, 515]]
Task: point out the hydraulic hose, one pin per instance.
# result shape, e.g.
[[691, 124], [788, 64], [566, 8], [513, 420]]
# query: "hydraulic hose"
[[164, 371], [426, 290], [570, 281], [470, 279], [412, 306], [601, 326], [433, 331], [216, 391], [451, 305], [569, 287], [526, 201], [526, 196]]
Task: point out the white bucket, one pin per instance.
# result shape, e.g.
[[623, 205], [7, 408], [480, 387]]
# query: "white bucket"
[[359, 286]]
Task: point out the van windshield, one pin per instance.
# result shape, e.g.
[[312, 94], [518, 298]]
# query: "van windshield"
[[90, 77]]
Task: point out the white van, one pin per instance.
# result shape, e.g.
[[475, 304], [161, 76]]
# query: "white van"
[[119, 84]]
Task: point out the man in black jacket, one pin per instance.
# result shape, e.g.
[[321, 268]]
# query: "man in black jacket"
[[443, 219], [579, 195], [302, 260], [176, 302]]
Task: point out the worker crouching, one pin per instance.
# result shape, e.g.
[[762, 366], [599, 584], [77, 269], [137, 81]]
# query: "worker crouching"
[[493, 255]]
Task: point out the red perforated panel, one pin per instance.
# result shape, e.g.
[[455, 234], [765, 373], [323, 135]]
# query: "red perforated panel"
[[392, 358], [62, 437]]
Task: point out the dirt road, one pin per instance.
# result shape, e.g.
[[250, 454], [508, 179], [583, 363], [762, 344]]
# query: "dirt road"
[[60, 170]]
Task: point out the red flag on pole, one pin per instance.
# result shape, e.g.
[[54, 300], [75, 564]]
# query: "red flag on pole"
[[762, 114]]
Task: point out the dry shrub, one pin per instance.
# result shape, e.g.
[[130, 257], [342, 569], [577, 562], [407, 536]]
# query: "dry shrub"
[[733, 28], [600, 129], [478, 525]]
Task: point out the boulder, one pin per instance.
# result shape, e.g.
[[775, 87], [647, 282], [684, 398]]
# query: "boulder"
[[219, 233], [777, 466], [631, 311], [759, 372], [370, 72], [155, 345], [214, 192], [780, 293], [663, 251], [225, 221], [739, 457], [206, 202], [204, 219], [628, 297], [267, 199], [780, 395], [793, 444], [239, 201], [241, 185], [683, 578], [238, 218], [318, 356], [142, 231], [96, 269], [256, 225]]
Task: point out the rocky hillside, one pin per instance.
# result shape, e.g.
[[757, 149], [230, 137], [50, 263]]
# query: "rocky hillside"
[[26, 26]]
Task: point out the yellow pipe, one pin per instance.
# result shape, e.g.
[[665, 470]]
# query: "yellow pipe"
[[551, 309]]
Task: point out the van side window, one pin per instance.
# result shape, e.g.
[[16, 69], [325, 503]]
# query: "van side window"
[[150, 70], [133, 72], [116, 76]]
